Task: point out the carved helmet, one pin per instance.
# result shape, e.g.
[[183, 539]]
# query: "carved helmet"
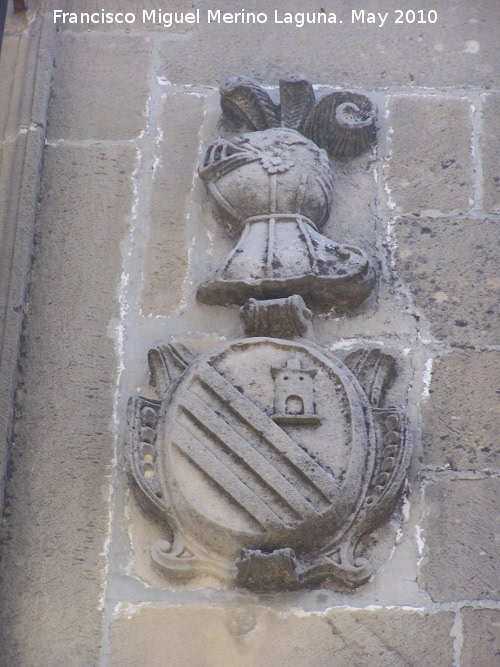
[[276, 171]]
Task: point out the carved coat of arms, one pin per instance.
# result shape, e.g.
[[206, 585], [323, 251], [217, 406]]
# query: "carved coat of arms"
[[269, 458]]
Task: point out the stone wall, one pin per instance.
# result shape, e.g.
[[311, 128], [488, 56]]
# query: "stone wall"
[[123, 236]]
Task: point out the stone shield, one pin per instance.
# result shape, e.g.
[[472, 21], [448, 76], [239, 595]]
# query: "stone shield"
[[265, 444]]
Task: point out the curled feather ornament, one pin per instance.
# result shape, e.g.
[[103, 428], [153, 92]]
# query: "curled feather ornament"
[[342, 122], [297, 101], [244, 102]]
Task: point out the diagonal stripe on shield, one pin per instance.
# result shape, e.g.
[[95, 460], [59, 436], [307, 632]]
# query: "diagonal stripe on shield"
[[248, 456]]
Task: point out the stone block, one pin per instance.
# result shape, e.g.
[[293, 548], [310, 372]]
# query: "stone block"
[[353, 216], [159, 22], [101, 87], [459, 49], [8, 152], [19, 178], [450, 267], [491, 152], [10, 85], [56, 508], [245, 635], [460, 427], [166, 257], [460, 529], [481, 630], [431, 163]]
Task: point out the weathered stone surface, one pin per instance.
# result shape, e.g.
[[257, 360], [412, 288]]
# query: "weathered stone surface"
[[24, 57], [238, 635], [462, 519], [460, 49], [57, 515], [101, 87], [460, 426], [431, 162], [353, 217], [56, 498], [19, 180], [450, 267], [260, 477], [481, 630], [8, 152], [491, 152], [166, 257], [14, 48], [27, 57]]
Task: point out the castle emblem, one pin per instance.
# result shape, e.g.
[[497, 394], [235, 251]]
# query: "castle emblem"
[[293, 393]]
